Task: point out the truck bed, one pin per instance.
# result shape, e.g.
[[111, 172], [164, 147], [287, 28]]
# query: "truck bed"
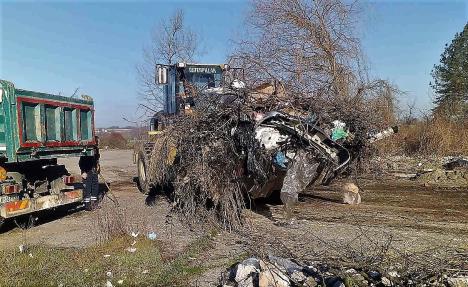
[[35, 125]]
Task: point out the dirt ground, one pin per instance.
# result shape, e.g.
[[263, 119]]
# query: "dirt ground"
[[74, 227], [413, 217]]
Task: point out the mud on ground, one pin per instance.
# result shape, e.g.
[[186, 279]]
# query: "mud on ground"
[[412, 216]]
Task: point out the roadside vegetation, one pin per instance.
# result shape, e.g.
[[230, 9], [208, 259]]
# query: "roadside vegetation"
[[442, 132], [94, 266], [430, 136]]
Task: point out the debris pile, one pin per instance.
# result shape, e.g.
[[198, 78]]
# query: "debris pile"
[[281, 272], [452, 163], [200, 160], [451, 171], [227, 150], [442, 176]]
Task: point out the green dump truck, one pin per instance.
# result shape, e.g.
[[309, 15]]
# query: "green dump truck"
[[35, 130]]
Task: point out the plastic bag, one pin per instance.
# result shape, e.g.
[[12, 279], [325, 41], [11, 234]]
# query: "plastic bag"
[[298, 176]]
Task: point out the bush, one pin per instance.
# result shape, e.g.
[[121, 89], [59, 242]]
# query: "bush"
[[431, 136]]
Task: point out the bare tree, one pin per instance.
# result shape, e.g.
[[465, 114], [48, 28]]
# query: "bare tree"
[[311, 47], [171, 42]]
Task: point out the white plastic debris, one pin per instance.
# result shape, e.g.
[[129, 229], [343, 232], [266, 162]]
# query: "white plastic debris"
[[131, 249], [109, 274], [269, 137], [109, 284], [272, 276], [298, 276], [386, 282], [106, 255], [145, 271], [30, 255], [135, 234], [383, 134], [338, 124], [393, 274], [21, 248], [258, 116], [152, 235], [134, 242], [120, 282], [238, 84]]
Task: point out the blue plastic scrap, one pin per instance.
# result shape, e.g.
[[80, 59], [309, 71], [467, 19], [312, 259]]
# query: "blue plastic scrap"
[[338, 133], [280, 159]]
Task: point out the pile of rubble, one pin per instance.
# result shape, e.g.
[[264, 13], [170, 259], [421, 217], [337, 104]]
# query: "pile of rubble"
[[428, 171], [454, 170], [281, 272], [230, 149], [442, 176]]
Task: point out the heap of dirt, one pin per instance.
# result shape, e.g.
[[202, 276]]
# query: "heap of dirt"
[[441, 176]]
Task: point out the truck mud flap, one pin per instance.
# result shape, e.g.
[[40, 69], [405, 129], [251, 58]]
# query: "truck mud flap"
[[29, 205]]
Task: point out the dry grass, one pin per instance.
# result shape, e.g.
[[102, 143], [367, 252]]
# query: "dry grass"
[[147, 266], [111, 222], [435, 136]]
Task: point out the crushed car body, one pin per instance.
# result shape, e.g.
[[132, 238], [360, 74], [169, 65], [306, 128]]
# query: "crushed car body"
[[302, 154]]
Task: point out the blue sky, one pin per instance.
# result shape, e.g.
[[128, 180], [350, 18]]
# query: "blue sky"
[[95, 46]]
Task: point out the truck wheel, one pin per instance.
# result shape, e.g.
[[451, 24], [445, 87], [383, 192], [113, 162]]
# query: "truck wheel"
[[142, 175], [2, 221]]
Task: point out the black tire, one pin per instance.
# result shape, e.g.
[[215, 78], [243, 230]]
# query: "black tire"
[[143, 183]]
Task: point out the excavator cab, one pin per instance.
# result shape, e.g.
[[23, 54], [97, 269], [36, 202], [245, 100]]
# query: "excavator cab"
[[181, 83]]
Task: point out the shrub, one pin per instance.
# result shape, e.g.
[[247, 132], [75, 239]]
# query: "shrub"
[[437, 135]]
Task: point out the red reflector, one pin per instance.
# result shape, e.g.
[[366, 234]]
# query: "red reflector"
[[73, 194], [11, 188], [68, 179], [17, 205]]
